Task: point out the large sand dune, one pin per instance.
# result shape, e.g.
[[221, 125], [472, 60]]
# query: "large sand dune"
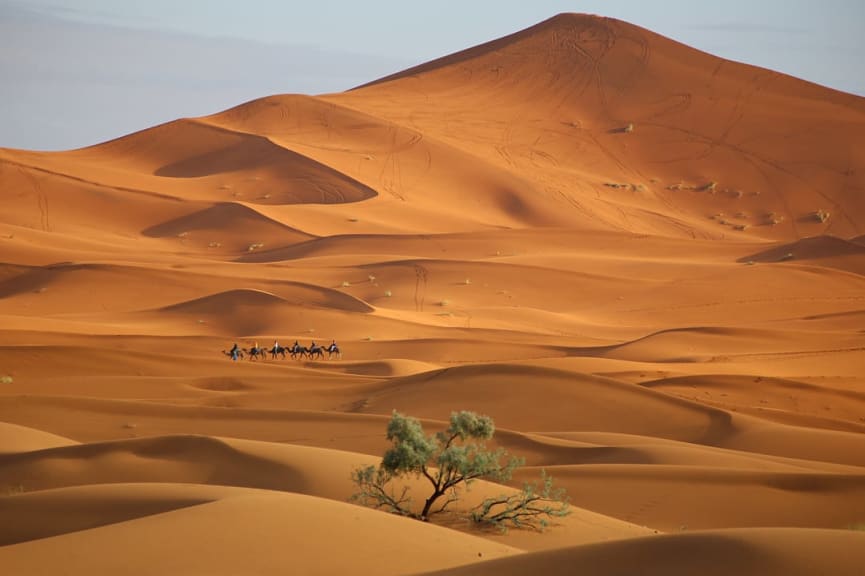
[[644, 262]]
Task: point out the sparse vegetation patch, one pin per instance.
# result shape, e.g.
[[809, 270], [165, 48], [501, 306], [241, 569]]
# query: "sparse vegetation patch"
[[450, 461], [11, 490], [821, 216], [773, 218]]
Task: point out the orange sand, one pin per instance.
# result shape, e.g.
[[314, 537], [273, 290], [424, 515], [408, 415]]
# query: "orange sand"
[[647, 264]]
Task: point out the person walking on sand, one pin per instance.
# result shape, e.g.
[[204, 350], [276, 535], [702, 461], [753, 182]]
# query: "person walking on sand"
[[235, 351]]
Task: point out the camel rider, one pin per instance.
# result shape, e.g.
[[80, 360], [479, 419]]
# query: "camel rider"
[[333, 347]]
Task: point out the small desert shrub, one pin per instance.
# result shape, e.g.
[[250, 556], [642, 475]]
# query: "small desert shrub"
[[345, 284], [708, 186], [388, 293], [371, 278], [774, 218], [628, 128], [5, 379], [821, 216], [11, 490], [254, 246], [444, 302], [785, 257], [451, 460]]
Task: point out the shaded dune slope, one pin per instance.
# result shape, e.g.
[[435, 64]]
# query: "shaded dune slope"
[[827, 251], [219, 220], [189, 156], [779, 551]]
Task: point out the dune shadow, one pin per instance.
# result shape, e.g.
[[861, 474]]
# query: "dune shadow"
[[222, 216], [813, 248]]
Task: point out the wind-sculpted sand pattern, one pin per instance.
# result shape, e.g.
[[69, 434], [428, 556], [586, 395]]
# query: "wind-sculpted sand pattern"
[[643, 262]]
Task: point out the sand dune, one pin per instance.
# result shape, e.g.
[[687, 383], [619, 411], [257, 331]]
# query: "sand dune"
[[644, 262], [831, 252], [276, 532], [769, 551], [15, 438]]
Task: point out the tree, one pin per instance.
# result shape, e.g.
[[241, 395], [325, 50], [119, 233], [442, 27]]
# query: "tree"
[[449, 460]]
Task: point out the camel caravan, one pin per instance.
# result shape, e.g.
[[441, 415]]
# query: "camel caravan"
[[295, 352]]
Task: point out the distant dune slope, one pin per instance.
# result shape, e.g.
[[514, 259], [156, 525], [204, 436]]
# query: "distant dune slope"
[[579, 120]]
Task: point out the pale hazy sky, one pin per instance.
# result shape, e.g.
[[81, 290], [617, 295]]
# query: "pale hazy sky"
[[77, 72]]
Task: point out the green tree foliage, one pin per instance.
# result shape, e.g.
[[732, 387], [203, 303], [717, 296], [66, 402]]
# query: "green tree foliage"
[[449, 460]]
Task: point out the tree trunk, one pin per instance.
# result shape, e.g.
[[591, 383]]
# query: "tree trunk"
[[424, 515]]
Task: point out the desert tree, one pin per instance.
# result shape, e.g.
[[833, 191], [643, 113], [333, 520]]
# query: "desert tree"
[[450, 460]]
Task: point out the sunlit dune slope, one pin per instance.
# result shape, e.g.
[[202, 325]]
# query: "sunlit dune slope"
[[643, 121], [576, 121], [258, 532], [14, 438]]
